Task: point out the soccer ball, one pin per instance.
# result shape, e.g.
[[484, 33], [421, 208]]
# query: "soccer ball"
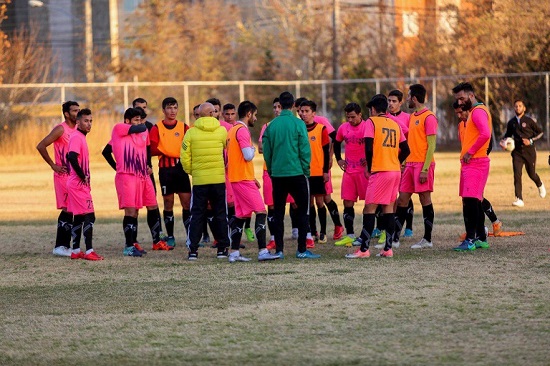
[[508, 144]]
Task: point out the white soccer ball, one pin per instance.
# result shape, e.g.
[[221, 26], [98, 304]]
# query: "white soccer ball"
[[508, 144]]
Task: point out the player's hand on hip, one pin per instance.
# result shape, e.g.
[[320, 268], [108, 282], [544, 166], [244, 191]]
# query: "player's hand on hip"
[[59, 169]]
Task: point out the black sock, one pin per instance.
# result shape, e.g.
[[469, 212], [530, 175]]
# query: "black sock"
[[428, 214], [368, 227], [64, 227], [128, 229], [236, 232], [400, 217], [169, 222], [469, 211], [480, 224], [88, 229], [410, 215], [488, 209], [136, 223], [322, 212], [76, 231], [390, 229], [270, 220], [349, 216], [155, 226], [186, 217], [259, 230], [381, 222], [312, 220], [247, 223], [334, 214]]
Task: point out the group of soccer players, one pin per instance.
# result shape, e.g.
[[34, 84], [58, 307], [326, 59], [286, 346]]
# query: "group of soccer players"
[[388, 157]]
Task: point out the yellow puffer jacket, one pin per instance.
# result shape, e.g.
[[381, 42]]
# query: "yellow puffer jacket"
[[202, 151]]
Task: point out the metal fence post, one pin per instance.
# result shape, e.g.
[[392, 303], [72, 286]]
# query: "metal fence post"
[[186, 103], [241, 91], [434, 96], [324, 97], [126, 99], [62, 93]]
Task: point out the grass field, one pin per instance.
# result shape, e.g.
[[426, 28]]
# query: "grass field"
[[420, 307]]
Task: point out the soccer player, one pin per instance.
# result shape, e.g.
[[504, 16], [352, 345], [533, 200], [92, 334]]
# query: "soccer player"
[[474, 166], [418, 175], [59, 137], [395, 101], [129, 144], [385, 149], [202, 156], [287, 156], [166, 138], [319, 143], [80, 201], [240, 170], [485, 204], [525, 132], [354, 181]]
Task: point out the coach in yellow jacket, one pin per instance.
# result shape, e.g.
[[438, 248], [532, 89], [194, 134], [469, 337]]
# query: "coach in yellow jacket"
[[202, 158]]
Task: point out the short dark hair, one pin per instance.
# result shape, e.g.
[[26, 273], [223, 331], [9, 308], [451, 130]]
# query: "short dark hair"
[[83, 112], [379, 104], [352, 107], [228, 106], [418, 91], [169, 101], [396, 93], [309, 103], [519, 100], [276, 100], [197, 106], [143, 115], [131, 113], [138, 100], [456, 105], [214, 101], [467, 87], [245, 107], [66, 107], [298, 102], [286, 99]]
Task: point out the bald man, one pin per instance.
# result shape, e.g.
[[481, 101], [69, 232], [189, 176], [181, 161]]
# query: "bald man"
[[202, 157]]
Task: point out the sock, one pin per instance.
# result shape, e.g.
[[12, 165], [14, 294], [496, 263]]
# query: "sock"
[[64, 227], [480, 222], [259, 230], [236, 232], [469, 211], [136, 223], [128, 229], [488, 209], [400, 217], [390, 229], [186, 217], [368, 227], [312, 220], [76, 231], [155, 226], [349, 216], [381, 222], [428, 214], [322, 212], [169, 222], [247, 223], [334, 214], [410, 215], [88, 230], [270, 220]]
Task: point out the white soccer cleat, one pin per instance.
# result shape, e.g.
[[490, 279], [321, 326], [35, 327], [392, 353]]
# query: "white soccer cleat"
[[422, 244], [518, 203], [542, 191], [62, 251]]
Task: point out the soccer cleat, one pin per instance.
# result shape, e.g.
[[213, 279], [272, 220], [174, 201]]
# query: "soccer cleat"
[[408, 233], [171, 242], [205, 239], [322, 239], [307, 255], [62, 251], [357, 242], [462, 236], [271, 245], [358, 254], [385, 253], [542, 191], [310, 243], [294, 233], [395, 244], [381, 245], [242, 246], [266, 255], [518, 203], [237, 258], [249, 234], [375, 233], [382, 237], [214, 244], [338, 232], [481, 244], [222, 254], [497, 228], [131, 252], [161, 245], [280, 255], [193, 256], [139, 248], [422, 244], [79, 255], [465, 246], [93, 256], [346, 241]]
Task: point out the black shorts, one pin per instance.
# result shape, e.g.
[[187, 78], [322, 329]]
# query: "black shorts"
[[174, 180], [317, 186]]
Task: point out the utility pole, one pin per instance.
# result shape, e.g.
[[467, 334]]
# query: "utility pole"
[[89, 40], [113, 25], [336, 73]]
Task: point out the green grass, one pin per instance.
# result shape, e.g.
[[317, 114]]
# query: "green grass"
[[420, 307]]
